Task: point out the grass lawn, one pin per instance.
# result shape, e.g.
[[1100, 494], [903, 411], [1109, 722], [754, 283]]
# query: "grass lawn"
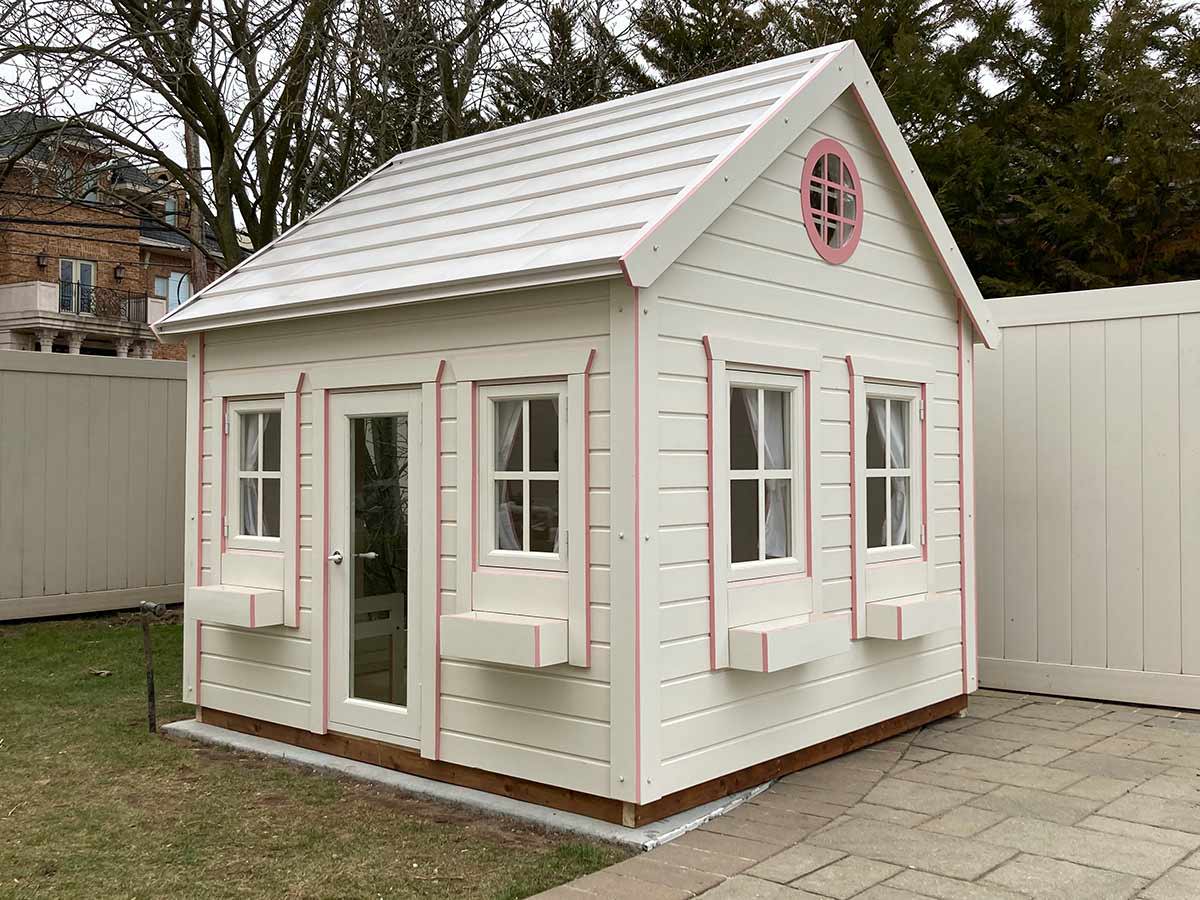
[[93, 806]]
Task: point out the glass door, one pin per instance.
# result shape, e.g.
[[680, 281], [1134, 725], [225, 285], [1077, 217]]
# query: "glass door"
[[373, 561]]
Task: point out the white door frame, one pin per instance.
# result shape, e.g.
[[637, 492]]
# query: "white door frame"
[[370, 718]]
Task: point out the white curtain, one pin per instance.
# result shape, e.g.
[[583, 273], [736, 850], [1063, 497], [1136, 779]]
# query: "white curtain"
[[774, 445], [251, 448], [508, 427], [895, 531]]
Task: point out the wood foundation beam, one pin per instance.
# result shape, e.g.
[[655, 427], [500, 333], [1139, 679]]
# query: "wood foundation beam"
[[403, 759]]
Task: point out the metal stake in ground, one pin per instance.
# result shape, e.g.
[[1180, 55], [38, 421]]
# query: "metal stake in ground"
[[148, 610]]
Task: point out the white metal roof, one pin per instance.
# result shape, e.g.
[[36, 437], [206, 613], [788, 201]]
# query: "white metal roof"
[[563, 198]]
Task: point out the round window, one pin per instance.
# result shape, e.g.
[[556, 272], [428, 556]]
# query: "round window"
[[831, 198]]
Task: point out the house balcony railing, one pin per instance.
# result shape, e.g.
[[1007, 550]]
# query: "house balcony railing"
[[102, 302]]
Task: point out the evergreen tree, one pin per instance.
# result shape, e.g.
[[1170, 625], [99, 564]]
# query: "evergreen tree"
[[685, 39]]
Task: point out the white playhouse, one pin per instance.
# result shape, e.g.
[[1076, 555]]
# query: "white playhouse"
[[614, 460]]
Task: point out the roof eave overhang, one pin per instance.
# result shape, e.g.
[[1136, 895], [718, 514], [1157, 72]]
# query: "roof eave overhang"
[[590, 271]]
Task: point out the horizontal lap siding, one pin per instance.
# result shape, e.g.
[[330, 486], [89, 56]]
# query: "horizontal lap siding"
[[548, 725], [754, 276], [1089, 517]]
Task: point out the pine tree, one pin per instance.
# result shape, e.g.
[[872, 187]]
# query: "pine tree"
[[685, 39]]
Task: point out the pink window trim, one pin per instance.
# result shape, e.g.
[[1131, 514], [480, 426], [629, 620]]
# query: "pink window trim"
[[821, 149]]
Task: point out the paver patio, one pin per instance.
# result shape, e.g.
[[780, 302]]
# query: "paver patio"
[[1023, 796]]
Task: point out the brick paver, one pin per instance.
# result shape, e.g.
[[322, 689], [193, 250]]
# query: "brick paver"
[[1023, 797]]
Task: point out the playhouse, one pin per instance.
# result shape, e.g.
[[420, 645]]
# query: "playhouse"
[[613, 460]]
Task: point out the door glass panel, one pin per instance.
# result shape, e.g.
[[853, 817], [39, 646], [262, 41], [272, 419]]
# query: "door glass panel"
[[379, 561]]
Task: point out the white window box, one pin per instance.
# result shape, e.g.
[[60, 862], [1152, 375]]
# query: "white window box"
[[784, 643], [528, 641], [226, 604], [904, 618]]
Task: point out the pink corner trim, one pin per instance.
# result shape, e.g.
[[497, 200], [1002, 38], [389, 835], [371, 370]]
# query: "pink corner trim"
[[652, 228], [712, 543], [200, 470], [222, 443], [962, 503], [853, 507], [324, 562], [296, 532], [437, 562], [474, 465], [819, 150], [199, 629], [637, 544], [587, 509], [766, 664], [808, 479], [925, 473]]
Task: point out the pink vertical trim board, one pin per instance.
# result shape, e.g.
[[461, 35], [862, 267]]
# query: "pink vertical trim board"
[[437, 562], [296, 533], [252, 616], [808, 484], [223, 443], [766, 664], [962, 504], [853, 505], [199, 629], [325, 562], [637, 543], [712, 543], [925, 472], [537, 646], [587, 509], [200, 472]]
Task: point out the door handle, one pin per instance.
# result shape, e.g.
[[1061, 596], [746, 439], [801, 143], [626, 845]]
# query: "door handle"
[[370, 554], [335, 557]]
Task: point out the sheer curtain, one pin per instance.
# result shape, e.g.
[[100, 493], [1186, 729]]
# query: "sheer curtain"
[[895, 531], [774, 448], [776, 489], [898, 451], [251, 447], [508, 427]]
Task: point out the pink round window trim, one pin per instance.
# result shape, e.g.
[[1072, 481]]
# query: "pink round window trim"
[[831, 198]]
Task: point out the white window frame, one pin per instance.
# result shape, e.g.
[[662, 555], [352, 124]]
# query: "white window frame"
[[911, 394], [234, 539], [76, 267], [793, 385], [488, 396]]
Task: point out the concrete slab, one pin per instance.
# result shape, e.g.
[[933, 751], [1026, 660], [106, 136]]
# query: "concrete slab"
[[644, 838]]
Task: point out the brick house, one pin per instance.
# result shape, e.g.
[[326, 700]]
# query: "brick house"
[[91, 249]]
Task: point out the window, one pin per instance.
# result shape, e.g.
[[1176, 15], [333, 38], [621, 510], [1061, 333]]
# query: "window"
[[523, 442], [179, 289], [893, 413], [171, 211], [162, 286], [831, 201], [765, 478], [76, 285], [255, 449]]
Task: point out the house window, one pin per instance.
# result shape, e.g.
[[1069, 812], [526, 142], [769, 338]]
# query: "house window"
[[893, 414], [522, 443], [76, 285], [254, 435], [831, 201], [171, 211], [162, 286], [179, 289], [765, 475]]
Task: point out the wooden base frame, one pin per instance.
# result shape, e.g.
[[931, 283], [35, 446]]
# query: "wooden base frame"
[[403, 759]]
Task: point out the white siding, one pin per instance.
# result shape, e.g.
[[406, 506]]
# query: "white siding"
[[548, 725], [1089, 523], [754, 276]]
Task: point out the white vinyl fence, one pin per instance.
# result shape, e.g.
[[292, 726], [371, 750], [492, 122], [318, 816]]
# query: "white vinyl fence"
[[1088, 480], [91, 483]]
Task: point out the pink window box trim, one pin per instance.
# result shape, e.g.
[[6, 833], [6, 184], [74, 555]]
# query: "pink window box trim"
[[835, 255]]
